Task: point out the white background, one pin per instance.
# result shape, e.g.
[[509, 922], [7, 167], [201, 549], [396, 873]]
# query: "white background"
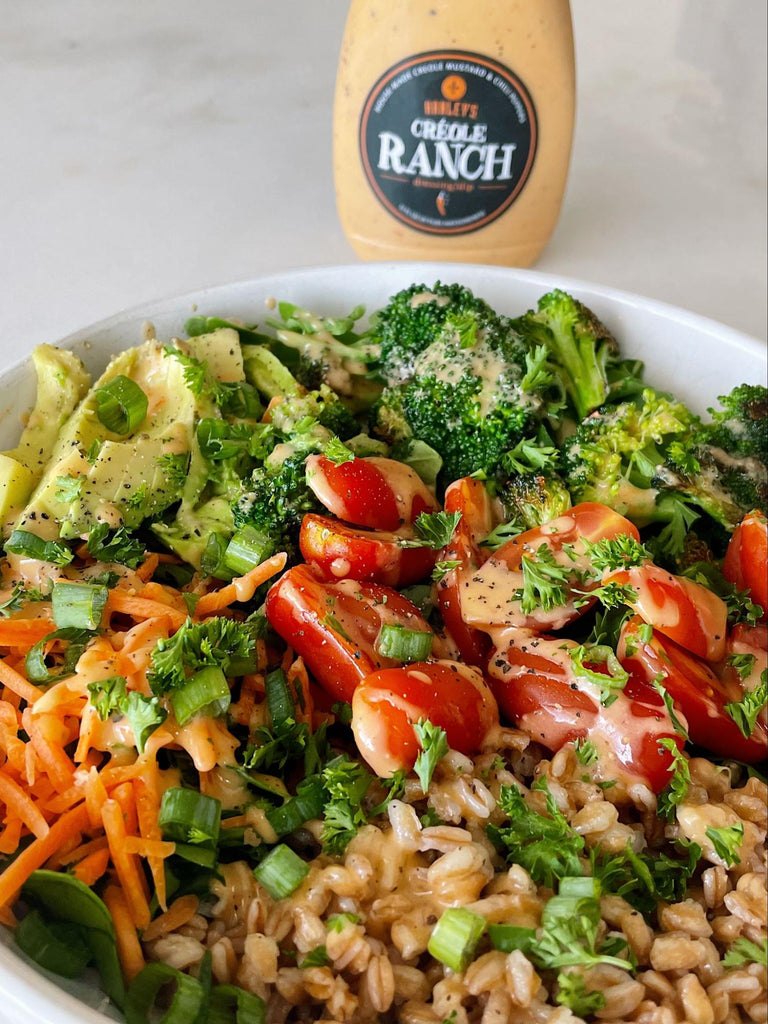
[[152, 147]]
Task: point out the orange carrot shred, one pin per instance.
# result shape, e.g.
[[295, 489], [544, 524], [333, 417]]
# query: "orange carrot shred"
[[156, 848], [90, 869], [16, 682], [128, 945], [24, 633], [124, 863], [42, 731], [147, 569], [95, 797], [242, 588], [39, 850], [180, 912], [142, 608]]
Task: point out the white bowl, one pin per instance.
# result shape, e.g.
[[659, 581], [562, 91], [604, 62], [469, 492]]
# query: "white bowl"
[[695, 358]]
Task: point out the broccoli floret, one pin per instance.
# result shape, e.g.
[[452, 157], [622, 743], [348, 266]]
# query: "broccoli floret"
[[301, 414], [579, 346], [464, 401], [530, 499], [721, 466], [614, 457], [275, 501], [413, 320]]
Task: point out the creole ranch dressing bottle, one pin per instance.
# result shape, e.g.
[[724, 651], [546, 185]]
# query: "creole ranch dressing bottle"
[[453, 122]]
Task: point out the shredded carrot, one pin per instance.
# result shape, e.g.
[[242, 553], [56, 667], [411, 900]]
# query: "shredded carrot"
[[80, 852], [10, 837], [156, 848], [45, 735], [24, 633], [16, 682], [242, 588], [95, 796], [128, 945], [39, 850], [18, 802], [91, 868], [146, 790], [180, 912], [124, 795], [142, 608], [147, 569], [124, 863]]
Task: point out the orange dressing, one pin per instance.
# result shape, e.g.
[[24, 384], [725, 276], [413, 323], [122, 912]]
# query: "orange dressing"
[[452, 128]]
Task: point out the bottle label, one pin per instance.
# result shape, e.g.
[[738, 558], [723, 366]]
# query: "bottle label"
[[447, 140]]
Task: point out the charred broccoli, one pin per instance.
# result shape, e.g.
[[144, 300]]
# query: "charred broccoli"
[[580, 347], [530, 499], [721, 466]]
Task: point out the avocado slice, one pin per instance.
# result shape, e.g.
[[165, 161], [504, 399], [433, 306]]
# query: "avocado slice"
[[62, 380]]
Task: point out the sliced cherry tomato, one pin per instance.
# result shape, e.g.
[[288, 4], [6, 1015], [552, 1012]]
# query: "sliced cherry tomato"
[[388, 703], [334, 626], [746, 657], [534, 680], [684, 611], [339, 551], [695, 690], [381, 494], [746, 560], [469, 497], [487, 599]]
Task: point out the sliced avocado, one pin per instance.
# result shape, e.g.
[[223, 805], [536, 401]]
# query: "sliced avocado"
[[265, 371], [62, 380], [220, 349], [188, 534], [115, 468]]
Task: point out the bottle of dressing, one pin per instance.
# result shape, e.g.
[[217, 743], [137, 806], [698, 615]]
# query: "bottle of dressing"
[[453, 122]]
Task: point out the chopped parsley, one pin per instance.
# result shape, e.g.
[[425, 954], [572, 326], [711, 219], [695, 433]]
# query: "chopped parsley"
[[726, 841], [745, 712], [676, 789], [434, 747], [218, 641]]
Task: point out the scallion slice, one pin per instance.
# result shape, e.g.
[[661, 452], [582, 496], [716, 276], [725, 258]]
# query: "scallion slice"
[[281, 872], [204, 693], [203, 856], [187, 816], [579, 887], [121, 405], [228, 999], [186, 1004], [29, 545], [79, 605], [247, 549], [455, 937], [35, 666], [508, 937], [212, 561], [404, 644], [307, 805], [280, 701]]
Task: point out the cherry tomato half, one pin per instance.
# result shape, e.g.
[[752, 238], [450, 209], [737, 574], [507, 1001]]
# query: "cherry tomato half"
[[469, 497], [534, 680], [339, 551], [684, 611], [695, 690], [334, 626], [487, 595], [387, 704], [381, 494], [746, 560]]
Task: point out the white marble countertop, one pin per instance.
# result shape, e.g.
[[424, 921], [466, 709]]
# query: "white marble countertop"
[[153, 148]]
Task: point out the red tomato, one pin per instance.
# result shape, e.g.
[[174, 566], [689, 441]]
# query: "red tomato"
[[744, 640], [381, 494], [746, 560], [338, 551], [334, 626], [684, 611], [695, 690], [534, 681], [487, 595], [469, 497], [388, 703]]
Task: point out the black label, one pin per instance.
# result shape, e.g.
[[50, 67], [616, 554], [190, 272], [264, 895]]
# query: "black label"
[[447, 140]]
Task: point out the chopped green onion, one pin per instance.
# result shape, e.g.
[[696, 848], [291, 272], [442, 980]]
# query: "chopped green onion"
[[187, 816], [280, 701], [404, 644], [581, 887], [121, 405], [212, 561], [248, 1008], [455, 937], [203, 856], [187, 1002], [29, 545], [508, 937], [57, 946], [247, 549], [79, 605], [35, 666], [281, 872], [307, 805], [205, 693]]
